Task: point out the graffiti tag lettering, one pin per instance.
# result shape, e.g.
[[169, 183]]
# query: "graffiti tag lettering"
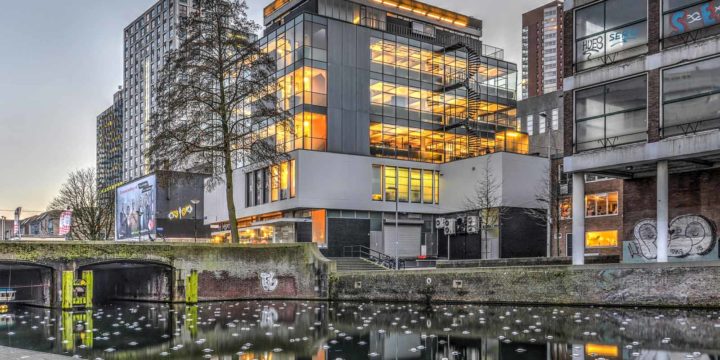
[[593, 46], [268, 281], [690, 235], [693, 18]]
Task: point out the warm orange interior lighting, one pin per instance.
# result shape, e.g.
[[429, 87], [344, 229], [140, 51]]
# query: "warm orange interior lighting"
[[602, 350], [607, 238]]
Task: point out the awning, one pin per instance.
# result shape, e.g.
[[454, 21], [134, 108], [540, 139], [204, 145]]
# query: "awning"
[[280, 221]]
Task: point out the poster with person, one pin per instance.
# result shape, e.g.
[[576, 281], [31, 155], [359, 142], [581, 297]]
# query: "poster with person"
[[135, 206]]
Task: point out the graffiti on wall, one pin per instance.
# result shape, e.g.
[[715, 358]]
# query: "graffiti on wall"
[[691, 236], [693, 18], [268, 281]]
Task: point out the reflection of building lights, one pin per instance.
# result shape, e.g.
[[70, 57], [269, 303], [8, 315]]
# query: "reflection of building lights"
[[602, 350]]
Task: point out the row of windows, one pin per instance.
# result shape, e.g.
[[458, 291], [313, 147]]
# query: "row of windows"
[[273, 183], [553, 118], [618, 29], [600, 204], [390, 183], [616, 113]]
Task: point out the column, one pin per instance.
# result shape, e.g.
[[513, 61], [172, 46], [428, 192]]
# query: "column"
[[662, 212], [578, 219]]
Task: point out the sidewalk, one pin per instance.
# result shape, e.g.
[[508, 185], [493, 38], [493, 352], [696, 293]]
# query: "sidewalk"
[[9, 353]]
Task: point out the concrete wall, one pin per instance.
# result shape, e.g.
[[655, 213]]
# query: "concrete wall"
[[339, 181], [226, 272], [687, 285]]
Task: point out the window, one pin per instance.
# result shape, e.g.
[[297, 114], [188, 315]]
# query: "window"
[[542, 121], [555, 118], [601, 204], [609, 27], [691, 97], [377, 183], [611, 114], [427, 186], [683, 16], [390, 183], [415, 185], [273, 183], [566, 208], [318, 227], [410, 185], [403, 184], [596, 239], [530, 124]]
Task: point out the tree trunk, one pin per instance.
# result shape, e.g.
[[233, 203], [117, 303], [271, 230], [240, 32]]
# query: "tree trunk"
[[230, 198]]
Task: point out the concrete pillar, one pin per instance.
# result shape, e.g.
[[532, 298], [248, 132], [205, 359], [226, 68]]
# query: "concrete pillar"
[[662, 212], [191, 288], [87, 275], [68, 278], [578, 219]]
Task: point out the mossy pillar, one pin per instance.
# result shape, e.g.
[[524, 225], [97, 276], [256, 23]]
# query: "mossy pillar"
[[87, 275], [191, 288], [66, 294]]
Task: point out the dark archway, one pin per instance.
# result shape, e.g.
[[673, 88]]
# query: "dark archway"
[[31, 282], [131, 280]]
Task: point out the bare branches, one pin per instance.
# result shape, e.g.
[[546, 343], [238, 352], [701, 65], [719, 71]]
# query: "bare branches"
[[90, 221], [216, 96]]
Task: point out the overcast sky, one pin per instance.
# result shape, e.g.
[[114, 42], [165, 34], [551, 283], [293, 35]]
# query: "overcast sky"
[[61, 62]]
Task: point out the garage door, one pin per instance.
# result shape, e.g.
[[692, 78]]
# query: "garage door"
[[408, 240]]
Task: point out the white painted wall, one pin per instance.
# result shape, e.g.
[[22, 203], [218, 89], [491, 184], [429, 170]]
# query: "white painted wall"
[[341, 181]]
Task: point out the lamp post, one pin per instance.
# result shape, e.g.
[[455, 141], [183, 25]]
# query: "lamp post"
[[549, 145], [397, 231], [195, 203], [139, 222]]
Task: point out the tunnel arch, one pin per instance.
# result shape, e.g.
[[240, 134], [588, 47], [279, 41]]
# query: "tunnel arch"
[[32, 282], [131, 280]]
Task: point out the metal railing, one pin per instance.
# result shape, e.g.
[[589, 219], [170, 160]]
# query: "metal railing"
[[374, 256]]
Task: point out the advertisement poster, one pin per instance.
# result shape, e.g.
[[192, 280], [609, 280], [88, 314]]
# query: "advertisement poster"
[[65, 221], [135, 207]]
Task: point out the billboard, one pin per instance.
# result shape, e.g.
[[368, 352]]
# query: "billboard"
[[135, 208], [65, 222]]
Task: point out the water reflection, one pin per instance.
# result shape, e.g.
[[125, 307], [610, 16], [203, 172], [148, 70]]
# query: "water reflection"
[[320, 331]]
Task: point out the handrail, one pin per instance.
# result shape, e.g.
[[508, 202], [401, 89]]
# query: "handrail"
[[375, 256]]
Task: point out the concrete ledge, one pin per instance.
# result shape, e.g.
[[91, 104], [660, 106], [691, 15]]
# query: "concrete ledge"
[[10, 353], [657, 285], [563, 260]]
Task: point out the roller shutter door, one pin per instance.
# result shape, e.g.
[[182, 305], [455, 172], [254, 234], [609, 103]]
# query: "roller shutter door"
[[408, 240]]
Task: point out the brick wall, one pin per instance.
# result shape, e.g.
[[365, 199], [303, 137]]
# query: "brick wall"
[[693, 193]]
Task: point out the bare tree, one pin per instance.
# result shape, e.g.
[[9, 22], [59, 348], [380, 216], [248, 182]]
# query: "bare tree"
[[487, 201], [215, 94], [90, 220], [548, 196]]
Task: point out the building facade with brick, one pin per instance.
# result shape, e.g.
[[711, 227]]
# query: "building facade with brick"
[[542, 49], [641, 103]]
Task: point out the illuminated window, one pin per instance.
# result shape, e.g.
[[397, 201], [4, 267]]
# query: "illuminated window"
[[566, 208], [390, 183], [377, 183], [601, 204], [437, 187], [415, 185], [428, 186], [403, 184], [601, 238], [601, 350], [318, 227], [276, 182], [306, 85]]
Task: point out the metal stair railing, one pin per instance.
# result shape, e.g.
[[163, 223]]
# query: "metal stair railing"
[[374, 256]]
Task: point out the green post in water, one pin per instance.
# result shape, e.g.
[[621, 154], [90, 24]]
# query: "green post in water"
[[68, 277], [191, 288], [87, 275]]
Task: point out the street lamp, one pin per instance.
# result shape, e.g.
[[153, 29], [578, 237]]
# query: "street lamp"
[[397, 233], [195, 202], [139, 223], [549, 145]]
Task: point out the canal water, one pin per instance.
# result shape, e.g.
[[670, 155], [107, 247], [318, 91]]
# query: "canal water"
[[276, 330]]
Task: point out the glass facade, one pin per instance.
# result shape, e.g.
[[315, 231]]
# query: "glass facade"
[[432, 104], [273, 183], [608, 31], [691, 97], [611, 114]]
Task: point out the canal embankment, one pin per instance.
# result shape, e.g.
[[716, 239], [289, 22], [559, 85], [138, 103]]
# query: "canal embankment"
[[658, 285]]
